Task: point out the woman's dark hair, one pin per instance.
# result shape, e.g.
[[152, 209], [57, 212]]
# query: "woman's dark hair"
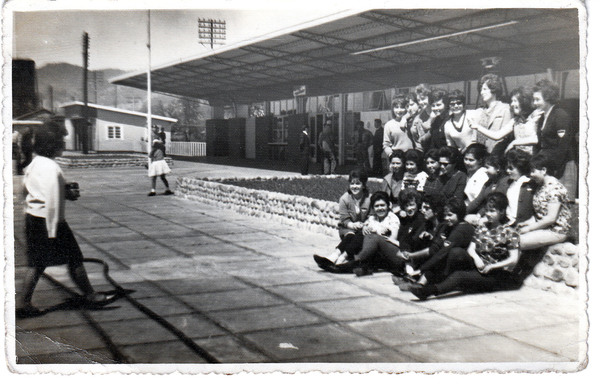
[[438, 94], [363, 177], [398, 100], [456, 206], [48, 138], [415, 156], [520, 160], [380, 195], [550, 91], [432, 153], [397, 154], [436, 202], [479, 151], [409, 195], [497, 161], [494, 83], [424, 90], [499, 202], [541, 161], [457, 95], [452, 154], [525, 97]]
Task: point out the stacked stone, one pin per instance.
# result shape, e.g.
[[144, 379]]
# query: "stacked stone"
[[83, 162], [558, 271]]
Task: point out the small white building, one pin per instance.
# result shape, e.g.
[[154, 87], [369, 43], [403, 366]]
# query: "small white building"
[[110, 128]]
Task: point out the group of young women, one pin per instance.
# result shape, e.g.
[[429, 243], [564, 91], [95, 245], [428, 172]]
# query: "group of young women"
[[468, 194]]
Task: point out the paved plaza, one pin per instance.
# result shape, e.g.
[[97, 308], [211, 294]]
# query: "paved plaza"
[[214, 286]]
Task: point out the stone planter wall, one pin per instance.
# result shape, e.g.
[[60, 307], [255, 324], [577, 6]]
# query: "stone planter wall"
[[108, 162], [298, 211], [558, 271]]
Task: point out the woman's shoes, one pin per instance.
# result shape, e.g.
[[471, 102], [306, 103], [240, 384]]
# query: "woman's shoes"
[[169, 192], [362, 271], [331, 267], [28, 311], [322, 262], [98, 300], [422, 292]]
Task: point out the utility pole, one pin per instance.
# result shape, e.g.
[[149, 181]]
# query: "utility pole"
[[84, 137], [51, 96]]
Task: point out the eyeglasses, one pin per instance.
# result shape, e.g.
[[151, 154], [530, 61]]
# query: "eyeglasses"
[[455, 104], [442, 163]]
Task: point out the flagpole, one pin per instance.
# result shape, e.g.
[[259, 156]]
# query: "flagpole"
[[149, 91]]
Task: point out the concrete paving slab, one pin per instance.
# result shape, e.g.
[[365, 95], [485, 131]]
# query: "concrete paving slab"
[[165, 306], [266, 318], [285, 277], [318, 291], [195, 325], [54, 319], [493, 316], [487, 348], [145, 330], [565, 339], [414, 328], [201, 285], [58, 340], [381, 355], [231, 300], [229, 349], [302, 342], [168, 352], [97, 356], [120, 310], [363, 308]]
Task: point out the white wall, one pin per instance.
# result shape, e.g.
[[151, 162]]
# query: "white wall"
[[131, 137], [369, 117]]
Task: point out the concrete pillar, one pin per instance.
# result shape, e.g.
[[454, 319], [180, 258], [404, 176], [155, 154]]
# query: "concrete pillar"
[[341, 131]]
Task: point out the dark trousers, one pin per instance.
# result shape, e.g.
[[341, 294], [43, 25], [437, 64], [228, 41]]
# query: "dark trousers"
[[473, 281], [304, 163], [351, 243], [378, 251], [445, 262]]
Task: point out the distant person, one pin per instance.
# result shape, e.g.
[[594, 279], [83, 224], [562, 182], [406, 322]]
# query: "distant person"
[[363, 141], [50, 241], [326, 144], [304, 150], [378, 155], [158, 167], [163, 137]]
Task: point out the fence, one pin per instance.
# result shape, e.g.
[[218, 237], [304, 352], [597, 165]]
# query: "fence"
[[186, 148]]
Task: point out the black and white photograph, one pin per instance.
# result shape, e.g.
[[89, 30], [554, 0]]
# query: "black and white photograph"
[[224, 187]]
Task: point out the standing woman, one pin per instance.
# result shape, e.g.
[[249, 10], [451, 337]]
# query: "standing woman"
[[552, 219], [50, 241], [523, 125], [158, 167], [495, 115], [474, 159], [422, 122], [556, 135], [396, 135], [457, 130], [436, 138]]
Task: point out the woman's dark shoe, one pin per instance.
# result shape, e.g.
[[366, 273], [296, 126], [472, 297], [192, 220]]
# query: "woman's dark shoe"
[[98, 300], [422, 292], [362, 271], [169, 192], [322, 262], [28, 311]]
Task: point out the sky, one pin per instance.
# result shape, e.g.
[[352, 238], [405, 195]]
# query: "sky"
[[118, 37]]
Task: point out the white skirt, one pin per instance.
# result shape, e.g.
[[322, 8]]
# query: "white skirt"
[[158, 168]]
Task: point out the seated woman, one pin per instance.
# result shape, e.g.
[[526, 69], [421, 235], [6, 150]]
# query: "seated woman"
[[453, 232], [551, 221], [381, 222], [495, 168], [392, 182], [413, 176], [476, 176], [453, 180], [412, 220], [489, 262], [433, 185], [520, 189], [523, 125], [353, 211]]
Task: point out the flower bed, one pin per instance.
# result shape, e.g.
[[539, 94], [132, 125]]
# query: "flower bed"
[[105, 161]]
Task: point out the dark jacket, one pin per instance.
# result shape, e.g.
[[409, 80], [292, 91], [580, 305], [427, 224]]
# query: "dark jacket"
[[454, 186], [525, 208], [557, 149], [499, 185]]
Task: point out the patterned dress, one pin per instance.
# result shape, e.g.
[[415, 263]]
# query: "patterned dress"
[[553, 191], [493, 245]]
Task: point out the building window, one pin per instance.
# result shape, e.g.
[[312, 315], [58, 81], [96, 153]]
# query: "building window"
[[114, 132]]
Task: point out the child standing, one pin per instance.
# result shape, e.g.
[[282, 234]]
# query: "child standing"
[[158, 167]]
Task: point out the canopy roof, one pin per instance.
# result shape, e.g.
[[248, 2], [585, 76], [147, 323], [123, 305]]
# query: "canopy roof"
[[411, 46]]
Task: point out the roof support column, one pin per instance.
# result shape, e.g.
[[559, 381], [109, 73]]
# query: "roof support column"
[[341, 131]]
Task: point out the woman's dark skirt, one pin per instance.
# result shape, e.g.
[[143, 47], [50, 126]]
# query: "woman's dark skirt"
[[43, 251]]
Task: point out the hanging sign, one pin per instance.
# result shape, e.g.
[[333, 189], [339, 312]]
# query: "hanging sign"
[[299, 91]]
